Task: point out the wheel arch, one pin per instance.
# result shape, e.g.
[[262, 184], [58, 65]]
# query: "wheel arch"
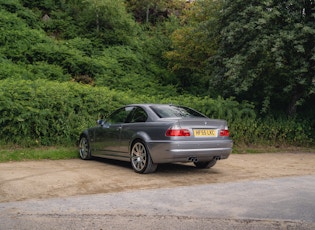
[[83, 133], [140, 158], [86, 134], [139, 136]]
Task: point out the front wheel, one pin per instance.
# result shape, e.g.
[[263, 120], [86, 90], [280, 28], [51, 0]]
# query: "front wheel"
[[84, 148], [141, 161], [205, 164]]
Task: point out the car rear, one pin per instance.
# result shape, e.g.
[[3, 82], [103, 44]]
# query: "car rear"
[[192, 139]]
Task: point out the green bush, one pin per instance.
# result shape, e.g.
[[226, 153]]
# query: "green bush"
[[17, 38], [43, 112], [272, 131], [37, 70]]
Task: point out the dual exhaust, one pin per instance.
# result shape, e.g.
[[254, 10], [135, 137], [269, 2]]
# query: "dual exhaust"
[[195, 159]]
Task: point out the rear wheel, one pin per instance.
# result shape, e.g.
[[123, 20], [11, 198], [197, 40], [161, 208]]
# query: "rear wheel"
[[141, 161], [84, 148], [205, 164]]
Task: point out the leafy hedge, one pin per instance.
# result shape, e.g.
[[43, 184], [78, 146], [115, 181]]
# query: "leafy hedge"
[[43, 112], [46, 113], [273, 131]]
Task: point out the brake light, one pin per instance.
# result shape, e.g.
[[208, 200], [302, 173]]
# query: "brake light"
[[177, 133], [224, 133]]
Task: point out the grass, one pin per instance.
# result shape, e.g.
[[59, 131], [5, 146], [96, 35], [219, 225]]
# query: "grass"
[[13, 153], [271, 149], [39, 153]]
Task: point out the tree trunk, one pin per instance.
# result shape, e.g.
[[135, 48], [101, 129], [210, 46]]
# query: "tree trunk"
[[97, 21], [147, 14], [293, 103]]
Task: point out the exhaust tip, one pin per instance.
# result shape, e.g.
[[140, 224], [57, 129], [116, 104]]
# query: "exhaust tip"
[[193, 159]]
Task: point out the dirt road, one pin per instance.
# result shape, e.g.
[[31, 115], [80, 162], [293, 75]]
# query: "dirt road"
[[62, 178]]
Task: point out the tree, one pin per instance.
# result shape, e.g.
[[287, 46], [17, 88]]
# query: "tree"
[[194, 43], [108, 21], [150, 11], [266, 53]]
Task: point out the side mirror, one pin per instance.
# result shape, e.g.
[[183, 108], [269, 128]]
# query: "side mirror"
[[100, 122]]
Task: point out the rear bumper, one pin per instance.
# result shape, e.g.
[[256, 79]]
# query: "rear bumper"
[[181, 151]]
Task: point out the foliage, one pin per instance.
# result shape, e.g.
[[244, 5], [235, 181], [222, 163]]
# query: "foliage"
[[272, 131], [266, 53], [42, 112], [155, 42], [38, 70], [257, 51], [22, 13], [16, 37], [193, 43], [82, 59], [245, 56], [108, 21], [148, 11]]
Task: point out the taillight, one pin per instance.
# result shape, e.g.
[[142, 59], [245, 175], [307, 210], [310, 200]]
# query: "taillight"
[[224, 133], [171, 132]]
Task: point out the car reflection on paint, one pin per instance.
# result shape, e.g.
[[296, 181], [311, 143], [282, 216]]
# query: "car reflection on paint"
[[149, 134]]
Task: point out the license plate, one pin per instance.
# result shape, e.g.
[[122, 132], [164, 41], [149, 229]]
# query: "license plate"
[[205, 132]]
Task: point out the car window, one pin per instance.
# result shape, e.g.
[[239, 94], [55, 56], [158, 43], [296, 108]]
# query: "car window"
[[120, 115], [165, 111], [139, 115]]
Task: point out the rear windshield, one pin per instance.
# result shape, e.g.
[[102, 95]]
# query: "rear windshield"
[[166, 111]]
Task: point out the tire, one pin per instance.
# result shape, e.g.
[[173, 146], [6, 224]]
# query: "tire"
[[84, 148], [205, 164], [140, 158]]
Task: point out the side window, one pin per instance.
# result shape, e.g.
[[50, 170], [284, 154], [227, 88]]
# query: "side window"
[[120, 115], [139, 115]]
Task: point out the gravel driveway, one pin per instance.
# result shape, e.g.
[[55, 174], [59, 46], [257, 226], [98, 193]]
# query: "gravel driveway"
[[124, 199], [62, 178]]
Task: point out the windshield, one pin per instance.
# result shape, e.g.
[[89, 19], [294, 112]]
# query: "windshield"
[[166, 111]]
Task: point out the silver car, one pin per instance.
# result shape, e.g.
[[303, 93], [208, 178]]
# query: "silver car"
[[149, 134]]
